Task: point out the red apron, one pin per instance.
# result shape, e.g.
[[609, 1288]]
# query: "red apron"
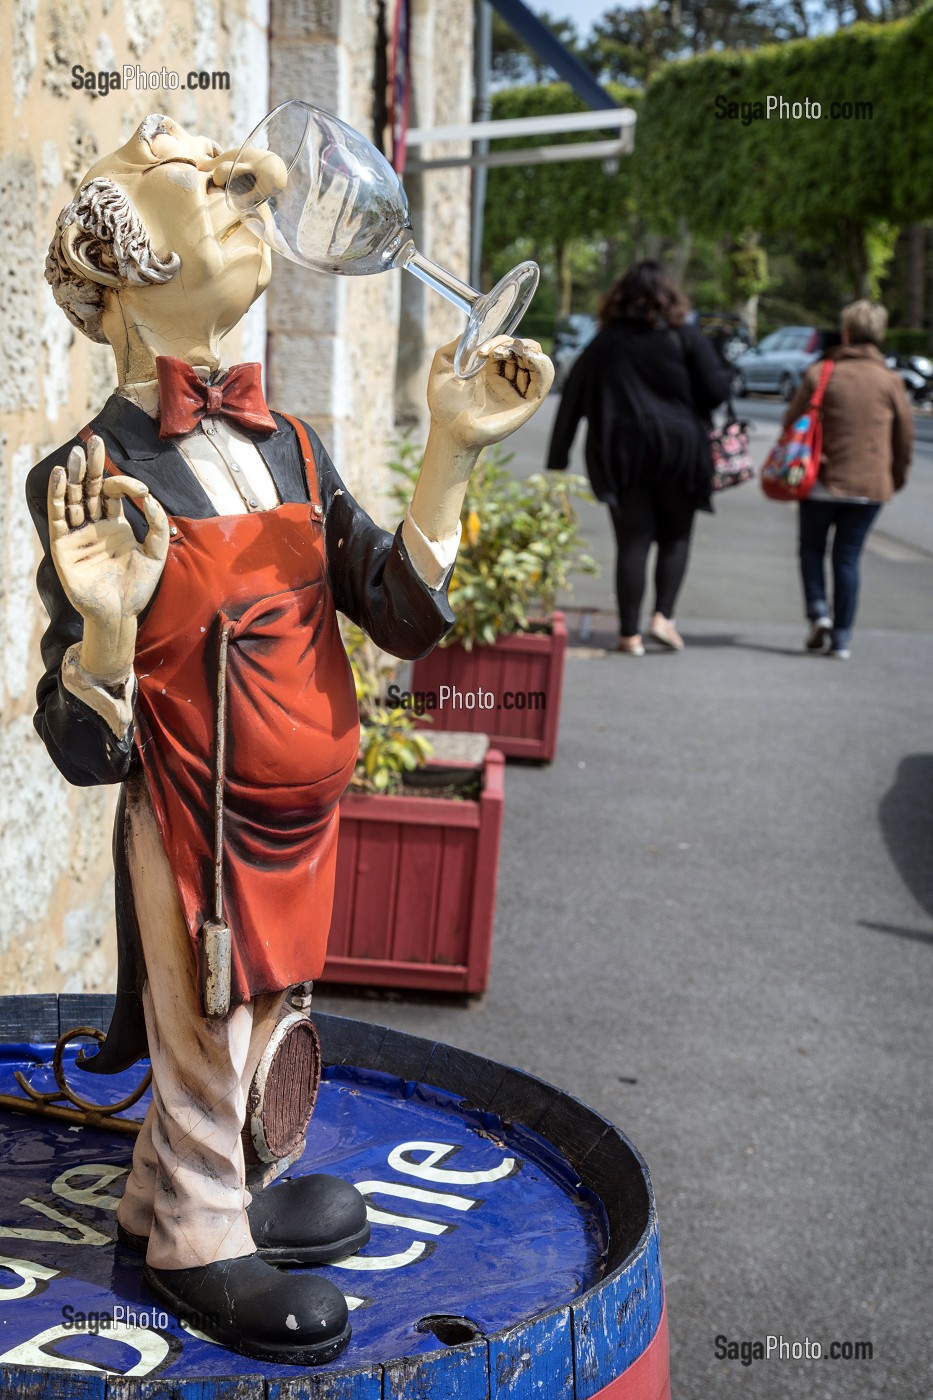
[[292, 730]]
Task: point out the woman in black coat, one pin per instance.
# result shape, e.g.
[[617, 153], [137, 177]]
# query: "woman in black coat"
[[646, 385]]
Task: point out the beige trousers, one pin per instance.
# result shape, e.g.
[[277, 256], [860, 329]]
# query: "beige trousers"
[[187, 1188]]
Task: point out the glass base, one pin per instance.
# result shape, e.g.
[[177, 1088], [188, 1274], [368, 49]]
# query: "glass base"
[[495, 313]]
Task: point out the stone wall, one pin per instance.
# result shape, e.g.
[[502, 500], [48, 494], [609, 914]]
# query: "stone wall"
[[334, 342], [56, 915], [333, 348]]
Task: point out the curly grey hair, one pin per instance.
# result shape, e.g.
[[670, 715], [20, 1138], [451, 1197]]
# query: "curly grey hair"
[[112, 237]]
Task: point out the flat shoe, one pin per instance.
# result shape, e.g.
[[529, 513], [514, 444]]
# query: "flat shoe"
[[662, 630]]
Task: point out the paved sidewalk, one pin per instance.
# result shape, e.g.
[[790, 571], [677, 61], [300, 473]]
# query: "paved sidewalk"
[[715, 924]]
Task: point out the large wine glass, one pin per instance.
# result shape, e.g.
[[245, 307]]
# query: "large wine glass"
[[330, 201]]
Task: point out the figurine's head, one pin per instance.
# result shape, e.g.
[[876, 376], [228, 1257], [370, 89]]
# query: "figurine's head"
[[150, 240]]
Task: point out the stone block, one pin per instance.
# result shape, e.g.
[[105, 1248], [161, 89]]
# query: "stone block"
[[34, 806], [19, 292], [309, 71], [302, 302], [303, 374], [305, 19]]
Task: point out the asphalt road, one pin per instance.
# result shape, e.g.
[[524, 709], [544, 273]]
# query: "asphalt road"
[[715, 924]]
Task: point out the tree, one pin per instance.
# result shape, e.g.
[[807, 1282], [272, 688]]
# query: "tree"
[[703, 147], [553, 206], [630, 45], [516, 64], [711, 175], [747, 277], [844, 12]]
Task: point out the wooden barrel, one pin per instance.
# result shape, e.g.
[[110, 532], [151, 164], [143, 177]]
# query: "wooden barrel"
[[523, 1265]]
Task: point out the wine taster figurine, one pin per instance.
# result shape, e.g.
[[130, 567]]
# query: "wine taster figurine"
[[197, 548]]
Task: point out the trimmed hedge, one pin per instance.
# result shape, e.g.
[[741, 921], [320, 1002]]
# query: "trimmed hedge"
[[705, 149], [843, 182], [908, 342], [554, 203]]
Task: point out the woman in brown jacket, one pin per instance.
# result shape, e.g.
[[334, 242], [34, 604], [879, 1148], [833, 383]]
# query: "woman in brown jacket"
[[867, 445]]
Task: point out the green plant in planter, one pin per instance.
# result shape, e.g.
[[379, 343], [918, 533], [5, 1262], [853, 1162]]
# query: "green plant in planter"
[[521, 542], [390, 745]]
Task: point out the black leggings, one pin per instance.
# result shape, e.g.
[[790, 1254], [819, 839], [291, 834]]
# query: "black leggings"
[[659, 513]]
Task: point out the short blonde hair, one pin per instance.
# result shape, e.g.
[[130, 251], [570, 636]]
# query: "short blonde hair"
[[864, 321]]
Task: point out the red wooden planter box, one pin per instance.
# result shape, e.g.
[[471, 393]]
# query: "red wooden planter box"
[[415, 893], [513, 671]]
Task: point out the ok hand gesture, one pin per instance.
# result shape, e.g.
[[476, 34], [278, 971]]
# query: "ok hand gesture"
[[108, 575]]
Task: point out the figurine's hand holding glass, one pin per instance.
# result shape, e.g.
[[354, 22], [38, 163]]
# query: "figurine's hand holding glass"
[[514, 379], [320, 194], [468, 415], [108, 575]]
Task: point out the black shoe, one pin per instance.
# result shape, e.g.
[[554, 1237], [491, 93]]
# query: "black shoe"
[[309, 1220], [249, 1306]]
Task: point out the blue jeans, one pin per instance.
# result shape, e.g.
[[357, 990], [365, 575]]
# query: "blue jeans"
[[852, 524]]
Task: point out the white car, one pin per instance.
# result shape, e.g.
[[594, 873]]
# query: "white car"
[[776, 364]]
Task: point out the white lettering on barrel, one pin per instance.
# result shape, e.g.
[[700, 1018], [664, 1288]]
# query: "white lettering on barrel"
[[33, 1278], [86, 1234], [150, 1347], [428, 1170], [384, 1261], [103, 1174], [411, 1193]]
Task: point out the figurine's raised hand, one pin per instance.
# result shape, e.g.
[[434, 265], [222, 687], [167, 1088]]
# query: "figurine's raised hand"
[[108, 575], [477, 412], [468, 415]]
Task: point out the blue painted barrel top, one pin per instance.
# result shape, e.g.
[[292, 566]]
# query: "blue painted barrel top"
[[514, 1250]]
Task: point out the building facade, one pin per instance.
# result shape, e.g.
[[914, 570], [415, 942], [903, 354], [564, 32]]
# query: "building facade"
[[81, 77]]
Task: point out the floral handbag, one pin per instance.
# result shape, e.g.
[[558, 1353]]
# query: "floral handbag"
[[732, 460], [792, 466]]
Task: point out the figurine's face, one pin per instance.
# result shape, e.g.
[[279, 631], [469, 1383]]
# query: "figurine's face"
[[176, 182]]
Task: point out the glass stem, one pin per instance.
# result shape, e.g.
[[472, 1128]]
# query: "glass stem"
[[433, 275]]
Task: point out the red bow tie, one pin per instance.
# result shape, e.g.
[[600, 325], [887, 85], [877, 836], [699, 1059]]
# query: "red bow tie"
[[184, 399]]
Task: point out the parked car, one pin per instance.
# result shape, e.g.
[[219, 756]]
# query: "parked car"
[[570, 336], [776, 364], [727, 331]]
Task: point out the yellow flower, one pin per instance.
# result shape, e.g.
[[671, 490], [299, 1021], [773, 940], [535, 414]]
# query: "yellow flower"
[[472, 527]]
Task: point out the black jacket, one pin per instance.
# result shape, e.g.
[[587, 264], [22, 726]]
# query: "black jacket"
[[646, 393], [375, 585]]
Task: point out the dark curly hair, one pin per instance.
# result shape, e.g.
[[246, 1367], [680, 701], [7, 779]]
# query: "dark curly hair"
[[645, 293]]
